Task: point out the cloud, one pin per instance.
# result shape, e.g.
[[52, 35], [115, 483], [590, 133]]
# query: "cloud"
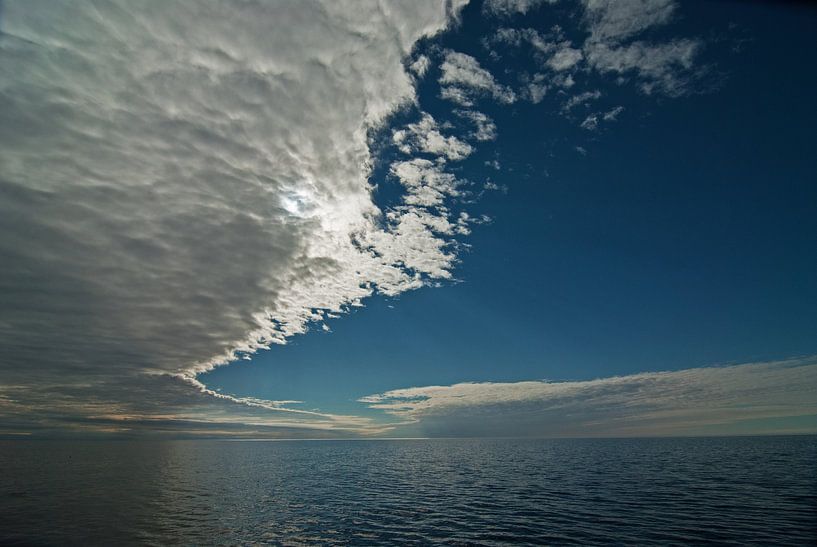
[[464, 73], [580, 99], [666, 68], [710, 400], [612, 114], [420, 65], [426, 184], [612, 21], [506, 8], [592, 121], [181, 186], [565, 58], [485, 128], [616, 44], [425, 136], [535, 92], [457, 95]]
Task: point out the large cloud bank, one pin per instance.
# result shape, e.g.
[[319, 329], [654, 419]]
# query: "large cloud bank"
[[185, 181]]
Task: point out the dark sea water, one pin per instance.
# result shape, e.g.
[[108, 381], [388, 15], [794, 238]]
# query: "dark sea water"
[[658, 491]]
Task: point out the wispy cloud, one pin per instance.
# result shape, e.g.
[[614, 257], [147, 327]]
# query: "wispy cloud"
[[666, 67], [612, 21], [711, 400], [464, 73]]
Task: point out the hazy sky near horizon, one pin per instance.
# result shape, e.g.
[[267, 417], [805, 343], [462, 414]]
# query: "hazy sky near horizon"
[[319, 219]]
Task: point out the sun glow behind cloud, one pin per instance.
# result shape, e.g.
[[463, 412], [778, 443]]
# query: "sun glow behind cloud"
[[183, 187]]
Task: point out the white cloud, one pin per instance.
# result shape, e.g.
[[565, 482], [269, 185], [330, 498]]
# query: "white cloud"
[[535, 92], [506, 8], [425, 136], [485, 129], [580, 99], [187, 183], [565, 58], [420, 65], [464, 72], [663, 67], [426, 184], [614, 20], [591, 122], [457, 95], [693, 401], [615, 44], [660, 67], [612, 114], [544, 45]]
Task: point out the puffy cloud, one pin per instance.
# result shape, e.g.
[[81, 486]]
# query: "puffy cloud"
[[464, 73], [425, 183], [181, 185], [425, 136], [535, 92], [694, 401], [420, 65]]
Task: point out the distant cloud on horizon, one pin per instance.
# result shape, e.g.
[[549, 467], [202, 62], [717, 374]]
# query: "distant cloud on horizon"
[[735, 399]]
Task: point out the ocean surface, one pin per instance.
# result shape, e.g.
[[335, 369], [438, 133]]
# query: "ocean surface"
[[746, 490]]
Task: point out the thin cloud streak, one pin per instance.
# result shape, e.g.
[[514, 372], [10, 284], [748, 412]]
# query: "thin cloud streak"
[[710, 400]]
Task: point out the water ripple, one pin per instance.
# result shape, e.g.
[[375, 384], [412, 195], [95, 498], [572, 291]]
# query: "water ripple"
[[456, 492]]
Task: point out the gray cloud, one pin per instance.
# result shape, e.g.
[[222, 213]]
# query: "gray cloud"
[[714, 400], [185, 182]]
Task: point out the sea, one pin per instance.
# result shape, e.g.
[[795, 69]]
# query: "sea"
[[701, 491]]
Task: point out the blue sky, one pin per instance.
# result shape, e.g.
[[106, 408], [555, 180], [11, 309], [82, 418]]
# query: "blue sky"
[[684, 237], [524, 217]]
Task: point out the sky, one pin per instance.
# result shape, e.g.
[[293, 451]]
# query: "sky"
[[510, 217]]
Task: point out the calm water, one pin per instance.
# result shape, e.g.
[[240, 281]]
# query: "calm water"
[[740, 490]]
